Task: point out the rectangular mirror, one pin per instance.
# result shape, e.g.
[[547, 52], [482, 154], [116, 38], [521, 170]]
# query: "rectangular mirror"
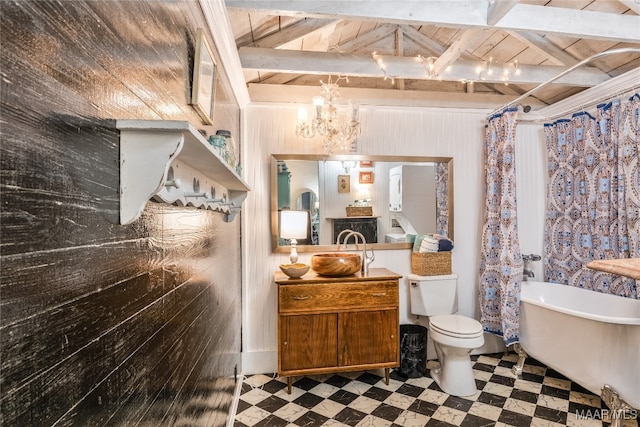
[[383, 197]]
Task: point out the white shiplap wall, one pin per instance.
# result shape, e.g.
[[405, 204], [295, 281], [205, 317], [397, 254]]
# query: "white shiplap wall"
[[270, 129]]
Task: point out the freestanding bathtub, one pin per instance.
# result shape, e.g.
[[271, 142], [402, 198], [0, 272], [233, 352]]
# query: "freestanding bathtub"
[[591, 338]]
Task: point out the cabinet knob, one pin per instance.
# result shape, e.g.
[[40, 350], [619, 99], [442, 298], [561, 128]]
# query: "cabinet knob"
[[391, 335], [286, 343]]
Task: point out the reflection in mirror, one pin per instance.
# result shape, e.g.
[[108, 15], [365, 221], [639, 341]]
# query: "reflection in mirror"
[[383, 197]]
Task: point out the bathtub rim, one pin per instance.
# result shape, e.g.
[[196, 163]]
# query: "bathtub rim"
[[552, 305]]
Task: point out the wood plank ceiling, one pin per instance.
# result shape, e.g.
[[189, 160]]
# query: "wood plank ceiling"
[[453, 51]]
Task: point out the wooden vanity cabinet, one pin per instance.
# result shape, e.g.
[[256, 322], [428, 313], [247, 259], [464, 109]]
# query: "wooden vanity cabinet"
[[338, 324]]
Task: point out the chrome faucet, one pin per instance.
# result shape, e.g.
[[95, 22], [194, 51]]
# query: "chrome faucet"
[[366, 259], [527, 272]]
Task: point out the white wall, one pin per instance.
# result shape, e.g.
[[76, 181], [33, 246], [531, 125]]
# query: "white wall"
[[270, 129], [531, 169]]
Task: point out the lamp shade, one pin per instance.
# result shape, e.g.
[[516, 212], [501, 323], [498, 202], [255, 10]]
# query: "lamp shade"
[[293, 224]]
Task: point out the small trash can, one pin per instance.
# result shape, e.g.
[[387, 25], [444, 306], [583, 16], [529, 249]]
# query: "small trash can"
[[413, 351]]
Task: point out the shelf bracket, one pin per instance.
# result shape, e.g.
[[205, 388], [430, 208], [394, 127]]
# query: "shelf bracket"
[[171, 162]]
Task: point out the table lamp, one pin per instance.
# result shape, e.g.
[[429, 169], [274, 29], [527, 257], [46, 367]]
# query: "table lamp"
[[293, 225]]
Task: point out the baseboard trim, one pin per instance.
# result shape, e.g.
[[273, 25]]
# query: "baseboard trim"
[[260, 362], [234, 403]]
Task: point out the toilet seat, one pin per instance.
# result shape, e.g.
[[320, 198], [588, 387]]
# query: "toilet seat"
[[456, 326]]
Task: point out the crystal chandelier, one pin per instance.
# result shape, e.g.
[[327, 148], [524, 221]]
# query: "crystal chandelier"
[[338, 135]]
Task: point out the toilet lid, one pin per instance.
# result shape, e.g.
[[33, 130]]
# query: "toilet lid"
[[456, 326]]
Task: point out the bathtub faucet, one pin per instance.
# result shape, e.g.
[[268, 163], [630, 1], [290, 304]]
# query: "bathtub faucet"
[[527, 272]]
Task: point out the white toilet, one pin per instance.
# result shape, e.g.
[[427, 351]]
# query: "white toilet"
[[453, 336]]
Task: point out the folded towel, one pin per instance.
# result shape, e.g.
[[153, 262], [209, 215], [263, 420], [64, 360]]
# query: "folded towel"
[[445, 245], [429, 244]]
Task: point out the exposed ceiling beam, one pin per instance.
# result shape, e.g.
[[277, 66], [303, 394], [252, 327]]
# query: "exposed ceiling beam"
[[399, 52], [288, 61], [632, 4], [545, 47], [455, 50], [550, 20], [293, 32], [498, 9], [436, 49], [423, 41], [379, 97], [573, 23], [369, 38]]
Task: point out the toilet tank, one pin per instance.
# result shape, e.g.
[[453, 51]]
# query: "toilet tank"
[[433, 295]]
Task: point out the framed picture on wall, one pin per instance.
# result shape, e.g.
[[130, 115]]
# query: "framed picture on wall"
[[344, 183], [366, 163], [204, 78], [366, 177]]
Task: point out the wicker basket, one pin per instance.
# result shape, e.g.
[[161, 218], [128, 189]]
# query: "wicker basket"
[[431, 263], [359, 211]]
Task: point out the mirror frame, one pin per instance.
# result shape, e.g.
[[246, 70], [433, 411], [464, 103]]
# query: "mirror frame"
[[314, 157]]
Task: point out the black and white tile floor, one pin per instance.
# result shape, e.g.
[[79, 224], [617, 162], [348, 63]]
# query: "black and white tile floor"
[[542, 397]]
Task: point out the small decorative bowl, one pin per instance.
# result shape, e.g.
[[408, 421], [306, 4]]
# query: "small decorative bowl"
[[295, 270]]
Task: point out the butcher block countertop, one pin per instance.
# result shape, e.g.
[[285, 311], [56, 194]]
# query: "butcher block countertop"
[[629, 267]]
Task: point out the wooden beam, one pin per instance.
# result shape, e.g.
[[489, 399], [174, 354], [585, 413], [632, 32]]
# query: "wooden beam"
[[382, 97], [399, 52], [455, 50], [545, 47], [453, 13], [434, 48], [288, 61], [632, 4], [293, 32], [461, 14], [576, 23], [368, 38], [498, 9]]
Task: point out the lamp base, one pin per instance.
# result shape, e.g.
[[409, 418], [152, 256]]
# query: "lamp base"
[[294, 253]]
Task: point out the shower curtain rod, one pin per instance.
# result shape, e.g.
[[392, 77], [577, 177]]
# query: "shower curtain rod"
[[567, 71], [598, 101]]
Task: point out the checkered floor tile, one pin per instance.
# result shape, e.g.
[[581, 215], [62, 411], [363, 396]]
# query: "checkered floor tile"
[[542, 397]]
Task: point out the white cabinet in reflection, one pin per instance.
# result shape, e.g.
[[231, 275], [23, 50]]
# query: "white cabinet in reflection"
[[411, 195]]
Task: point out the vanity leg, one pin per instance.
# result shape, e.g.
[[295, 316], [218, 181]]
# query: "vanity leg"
[[387, 371], [289, 383]]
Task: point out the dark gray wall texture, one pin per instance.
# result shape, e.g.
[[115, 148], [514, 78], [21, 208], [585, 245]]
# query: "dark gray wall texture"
[[101, 323]]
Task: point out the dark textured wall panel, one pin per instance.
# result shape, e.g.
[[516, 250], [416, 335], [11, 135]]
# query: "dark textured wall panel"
[[105, 324]]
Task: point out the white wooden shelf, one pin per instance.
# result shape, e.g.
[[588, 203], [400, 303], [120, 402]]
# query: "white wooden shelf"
[[170, 161]]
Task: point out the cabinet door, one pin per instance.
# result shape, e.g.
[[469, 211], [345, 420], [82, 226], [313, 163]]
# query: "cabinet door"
[[308, 341], [367, 337]]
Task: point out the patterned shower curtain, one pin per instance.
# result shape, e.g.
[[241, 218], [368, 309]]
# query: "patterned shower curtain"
[[442, 199], [501, 261], [593, 196]]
